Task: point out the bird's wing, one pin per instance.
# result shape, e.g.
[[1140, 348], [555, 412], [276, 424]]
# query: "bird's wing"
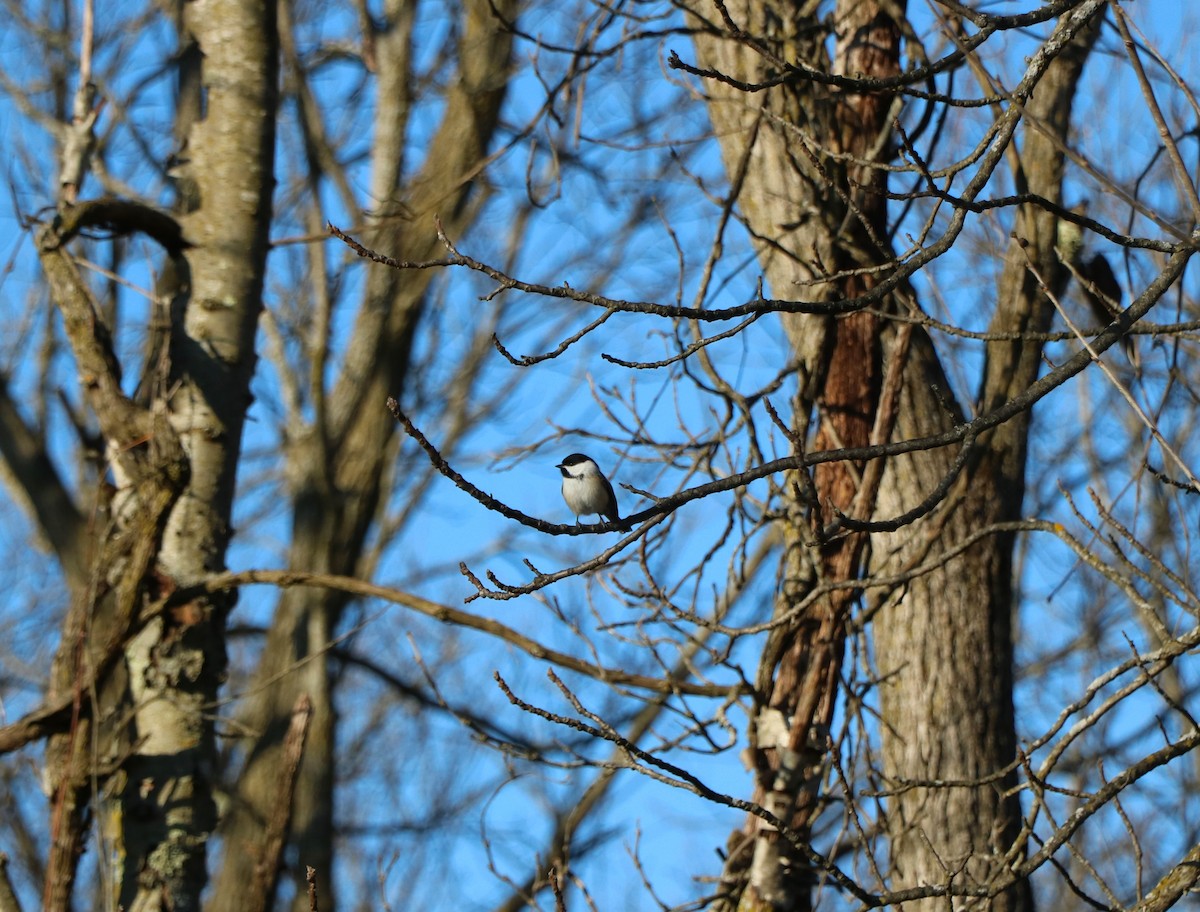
[[1103, 293], [612, 495], [1101, 287]]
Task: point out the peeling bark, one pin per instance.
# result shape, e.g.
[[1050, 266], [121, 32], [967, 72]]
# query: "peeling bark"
[[174, 662], [944, 644]]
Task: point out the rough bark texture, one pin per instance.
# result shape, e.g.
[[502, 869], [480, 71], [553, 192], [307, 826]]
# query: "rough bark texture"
[[177, 662], [336, 465], [141, 680], [821, 220], [944, 650], [943, 644], [87, 673]]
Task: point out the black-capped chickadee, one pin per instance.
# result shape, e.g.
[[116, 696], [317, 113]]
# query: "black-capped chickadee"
[[1100, 287], [585, 489]]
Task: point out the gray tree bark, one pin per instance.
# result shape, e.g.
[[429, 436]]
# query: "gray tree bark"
[[943, 642], [145, 678], [177, 664], [801, 158], [944, 647]]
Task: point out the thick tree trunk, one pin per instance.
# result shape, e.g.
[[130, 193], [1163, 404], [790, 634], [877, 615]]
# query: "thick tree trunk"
[[944, 648], [943, 642], [144, 680], [177, 662], [823, 225]]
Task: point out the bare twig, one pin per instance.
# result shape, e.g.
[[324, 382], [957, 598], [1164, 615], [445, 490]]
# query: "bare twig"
[[262, 891], [1183, 174]]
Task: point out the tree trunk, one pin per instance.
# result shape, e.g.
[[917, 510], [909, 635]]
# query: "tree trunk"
[[944, 648], [144, 680], [823, 221], [943, 642], [177, 662]]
